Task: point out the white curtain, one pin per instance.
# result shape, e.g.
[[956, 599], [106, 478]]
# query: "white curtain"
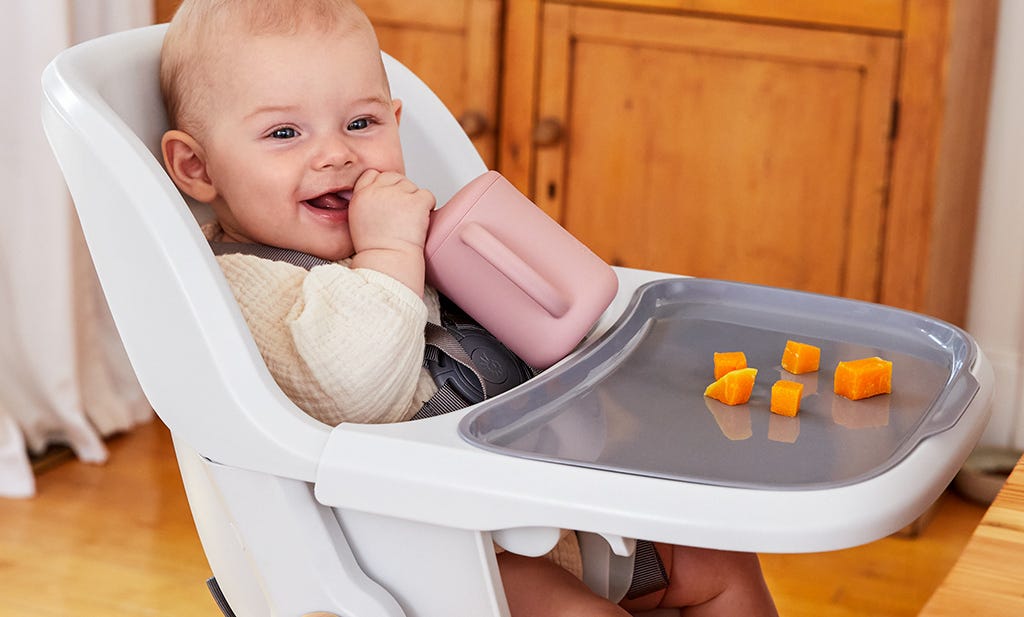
[[64, 378]]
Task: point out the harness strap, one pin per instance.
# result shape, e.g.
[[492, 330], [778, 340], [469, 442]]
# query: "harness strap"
[[648, 571], [446, 399], [439, 338], [297, 258]]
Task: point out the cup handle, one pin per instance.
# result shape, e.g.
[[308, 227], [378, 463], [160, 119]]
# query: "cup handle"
[[504, 260]]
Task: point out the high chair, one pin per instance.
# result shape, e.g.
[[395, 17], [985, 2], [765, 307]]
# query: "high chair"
[[395, 520]]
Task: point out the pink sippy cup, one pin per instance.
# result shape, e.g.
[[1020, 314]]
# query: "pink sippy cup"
[[516, 271]]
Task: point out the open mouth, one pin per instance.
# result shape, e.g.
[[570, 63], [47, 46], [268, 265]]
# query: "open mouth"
[[337, 200]]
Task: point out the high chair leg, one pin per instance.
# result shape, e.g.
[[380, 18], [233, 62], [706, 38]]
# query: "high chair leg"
[[275, 551], [224, 553]]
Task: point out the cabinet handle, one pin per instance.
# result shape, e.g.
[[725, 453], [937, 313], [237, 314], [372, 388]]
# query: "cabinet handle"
[[473, 123], [548, 132]]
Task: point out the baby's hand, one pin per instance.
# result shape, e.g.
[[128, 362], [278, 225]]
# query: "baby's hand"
[[388, 212], [388, 217]]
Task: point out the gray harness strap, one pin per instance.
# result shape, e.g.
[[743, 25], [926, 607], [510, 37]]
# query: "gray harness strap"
[[446, 400], [302, 260], [441, 340], [648, 571]]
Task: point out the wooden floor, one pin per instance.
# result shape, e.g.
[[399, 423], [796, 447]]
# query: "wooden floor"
[[118, 541]]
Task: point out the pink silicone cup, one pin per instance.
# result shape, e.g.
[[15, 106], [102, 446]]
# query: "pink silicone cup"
[[516, 271]]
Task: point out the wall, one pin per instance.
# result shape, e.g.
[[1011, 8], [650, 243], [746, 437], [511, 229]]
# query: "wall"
[[996, 305]]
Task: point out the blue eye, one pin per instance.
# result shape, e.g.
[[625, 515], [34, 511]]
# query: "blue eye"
[[359, 124], [285, 132]]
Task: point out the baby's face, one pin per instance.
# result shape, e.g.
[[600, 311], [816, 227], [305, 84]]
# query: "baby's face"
[[294, 121]]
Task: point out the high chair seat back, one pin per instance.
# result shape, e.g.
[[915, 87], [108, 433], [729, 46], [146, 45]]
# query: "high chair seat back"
[[247, 454]]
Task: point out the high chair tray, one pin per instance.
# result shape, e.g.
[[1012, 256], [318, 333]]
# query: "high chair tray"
[[425, 470], [634, 401]]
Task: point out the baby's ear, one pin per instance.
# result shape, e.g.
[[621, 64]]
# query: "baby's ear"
[[185, 161], [396, 104]]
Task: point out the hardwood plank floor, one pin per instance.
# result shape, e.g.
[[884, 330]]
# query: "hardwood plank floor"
[[105, 541], [118, 541], [892, 577]]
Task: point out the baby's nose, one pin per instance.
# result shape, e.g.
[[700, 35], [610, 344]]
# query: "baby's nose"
[[334, 152]]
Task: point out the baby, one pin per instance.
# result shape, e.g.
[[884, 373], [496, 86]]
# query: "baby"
[[283, 121]]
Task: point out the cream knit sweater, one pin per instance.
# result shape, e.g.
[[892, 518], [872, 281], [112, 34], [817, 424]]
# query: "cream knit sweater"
[[345, 345]]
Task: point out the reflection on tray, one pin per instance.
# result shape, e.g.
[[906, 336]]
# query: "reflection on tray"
[[809, 380], [867, 413], [733, 420], [783, 428]]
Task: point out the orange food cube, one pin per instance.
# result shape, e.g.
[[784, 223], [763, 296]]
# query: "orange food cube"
[[729, 361], [863, 378], [799, 358], [786, 397], [734, 387]]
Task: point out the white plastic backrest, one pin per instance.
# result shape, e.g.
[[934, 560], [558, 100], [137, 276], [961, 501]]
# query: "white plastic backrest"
[[438, 153], [179, 322]]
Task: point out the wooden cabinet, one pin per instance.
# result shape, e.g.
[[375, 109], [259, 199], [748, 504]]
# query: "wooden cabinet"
[[825, 146], [717, 148], [453, 46], [833, 147], [163, 10]]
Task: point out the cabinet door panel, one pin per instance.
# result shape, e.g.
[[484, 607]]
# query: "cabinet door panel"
[[719, 149], [453, 46], [868, 14]]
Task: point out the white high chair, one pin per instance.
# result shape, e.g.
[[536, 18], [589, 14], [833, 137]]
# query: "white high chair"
[[379, 520]]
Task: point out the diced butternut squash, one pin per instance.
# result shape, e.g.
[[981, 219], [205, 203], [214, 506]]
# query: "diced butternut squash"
[[729, 361], [858, 379], [734, 387], [799, 358], [786, 397]]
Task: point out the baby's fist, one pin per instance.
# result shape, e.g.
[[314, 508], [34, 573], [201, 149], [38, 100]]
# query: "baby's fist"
[[388, 211]]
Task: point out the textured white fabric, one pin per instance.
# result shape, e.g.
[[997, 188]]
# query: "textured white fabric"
[[345, 345], [63, 376]]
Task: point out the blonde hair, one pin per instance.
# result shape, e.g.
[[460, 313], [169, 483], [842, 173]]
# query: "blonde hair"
[[197, 26]]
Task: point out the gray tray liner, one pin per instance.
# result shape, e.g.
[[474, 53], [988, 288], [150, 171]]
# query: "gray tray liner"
[[632, 401]]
